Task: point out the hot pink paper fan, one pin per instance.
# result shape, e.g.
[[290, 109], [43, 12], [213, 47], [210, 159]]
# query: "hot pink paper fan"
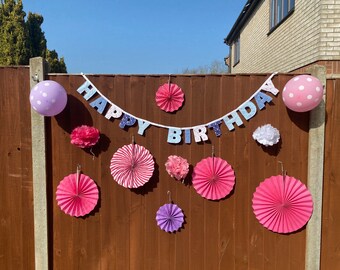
[[282, 204], [132, 166], [77, 198], [169, 97], [213, 178]]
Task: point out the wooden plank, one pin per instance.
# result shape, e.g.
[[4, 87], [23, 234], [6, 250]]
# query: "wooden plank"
[[212, 111], [153, 197], [226, 244], [330, 254], [16, 213], [195, 217]]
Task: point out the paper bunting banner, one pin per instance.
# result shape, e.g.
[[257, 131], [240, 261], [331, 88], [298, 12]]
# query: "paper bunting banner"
[[247, 110]]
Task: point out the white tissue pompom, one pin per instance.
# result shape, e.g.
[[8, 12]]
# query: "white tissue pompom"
[[267, 135]]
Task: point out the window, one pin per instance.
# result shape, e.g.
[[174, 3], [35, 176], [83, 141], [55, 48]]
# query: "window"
[[279, 10], [236, 51]]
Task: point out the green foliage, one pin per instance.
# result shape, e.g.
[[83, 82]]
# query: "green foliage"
[[13, 34], [21, 40], [37, 40], [216, 67], [56, 65]]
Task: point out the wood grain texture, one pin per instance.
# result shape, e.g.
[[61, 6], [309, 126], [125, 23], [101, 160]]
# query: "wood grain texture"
[[122, 233], [330, 246], [16, 200]]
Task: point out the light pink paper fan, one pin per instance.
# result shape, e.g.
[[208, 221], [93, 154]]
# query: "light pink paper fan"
[[132, 166], [77, 197], [169, 97], [213, 178], [282, 204]]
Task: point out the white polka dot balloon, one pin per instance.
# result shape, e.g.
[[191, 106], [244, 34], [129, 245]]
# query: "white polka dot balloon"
[[302, 93], [48, 98]]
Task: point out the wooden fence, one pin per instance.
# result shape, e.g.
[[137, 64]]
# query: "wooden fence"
[[122, 232]]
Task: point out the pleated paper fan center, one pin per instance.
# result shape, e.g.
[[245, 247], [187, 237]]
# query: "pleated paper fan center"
[[214, 178]]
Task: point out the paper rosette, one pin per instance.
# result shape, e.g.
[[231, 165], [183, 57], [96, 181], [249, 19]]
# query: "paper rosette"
[[266, 135], [169, 97], [282, 204], [132, 166], [77, 198], [213, 178], [170, 217]]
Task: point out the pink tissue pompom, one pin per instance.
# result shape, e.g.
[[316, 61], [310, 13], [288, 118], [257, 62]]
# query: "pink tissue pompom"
[[177, 167], [85, 136]]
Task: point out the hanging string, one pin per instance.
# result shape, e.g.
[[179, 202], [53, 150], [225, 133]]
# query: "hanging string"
[[169, 82], [283, 172], [213, 156], [78, 178], [169, 196], [92, 153], [133, 152]]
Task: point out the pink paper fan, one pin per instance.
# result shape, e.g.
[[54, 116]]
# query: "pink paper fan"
[[169, 97], [282, 205], [213, 178], [77, 197], [132, 166], [170, 217]]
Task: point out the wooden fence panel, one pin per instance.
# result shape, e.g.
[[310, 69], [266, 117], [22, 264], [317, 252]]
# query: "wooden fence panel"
[[16, 188], [122, 232], [330, 253]]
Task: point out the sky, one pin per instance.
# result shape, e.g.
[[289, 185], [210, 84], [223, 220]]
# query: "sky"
[[137, 36]]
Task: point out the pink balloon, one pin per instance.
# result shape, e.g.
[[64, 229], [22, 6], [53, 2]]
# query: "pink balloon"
[[302, 93], [48, 98]]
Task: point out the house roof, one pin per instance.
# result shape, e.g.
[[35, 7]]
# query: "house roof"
[[242, 19]]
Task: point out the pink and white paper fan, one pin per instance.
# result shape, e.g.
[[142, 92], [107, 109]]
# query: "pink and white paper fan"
[[77, 194], [213, 178], [169, 97], [132, 166], [282, 204]]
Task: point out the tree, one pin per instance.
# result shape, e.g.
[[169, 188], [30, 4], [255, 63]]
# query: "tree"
[[37, 40], [55, 64], [13, 34], [216, 67], [21, 40]]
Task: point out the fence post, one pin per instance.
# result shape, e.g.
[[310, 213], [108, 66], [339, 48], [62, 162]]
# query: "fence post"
[[315, 175], [37, 72]]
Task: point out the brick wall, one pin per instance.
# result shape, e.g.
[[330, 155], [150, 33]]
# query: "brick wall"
[[311, 33], [332, 67], [330, 30]]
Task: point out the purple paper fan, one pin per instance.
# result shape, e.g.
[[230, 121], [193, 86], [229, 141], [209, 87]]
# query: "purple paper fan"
[[170, 217]]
